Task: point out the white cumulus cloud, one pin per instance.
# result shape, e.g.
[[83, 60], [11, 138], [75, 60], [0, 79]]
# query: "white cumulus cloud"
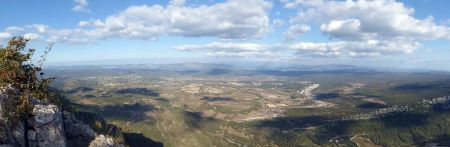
[[295, 30], [381, 19], [368, 27], [229, 20], [349, 29], [225, 20], [81, 6]]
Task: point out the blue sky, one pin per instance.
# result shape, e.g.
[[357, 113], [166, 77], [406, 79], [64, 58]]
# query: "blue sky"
[[382, 33]]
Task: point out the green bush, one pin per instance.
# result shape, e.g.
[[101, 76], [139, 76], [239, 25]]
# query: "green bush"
[[22, 79]]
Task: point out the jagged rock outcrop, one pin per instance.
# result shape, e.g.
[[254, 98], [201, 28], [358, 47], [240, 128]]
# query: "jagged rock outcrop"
[[48, 126], [47, 123], [43, 129], [77, 133]]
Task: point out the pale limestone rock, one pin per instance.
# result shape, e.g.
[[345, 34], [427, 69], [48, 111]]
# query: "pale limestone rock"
[[104, 141], [44, 114], [48, 126]]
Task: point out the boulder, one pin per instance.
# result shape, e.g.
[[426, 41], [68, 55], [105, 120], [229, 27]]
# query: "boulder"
[[104, 141]]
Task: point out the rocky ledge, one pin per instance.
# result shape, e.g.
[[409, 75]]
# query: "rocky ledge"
[[48, 126]]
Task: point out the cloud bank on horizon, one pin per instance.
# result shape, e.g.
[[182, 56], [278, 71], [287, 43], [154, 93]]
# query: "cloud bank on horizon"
[[240, 28]]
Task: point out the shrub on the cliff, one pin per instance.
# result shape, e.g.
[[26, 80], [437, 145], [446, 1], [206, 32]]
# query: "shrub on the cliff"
[[22, 79]]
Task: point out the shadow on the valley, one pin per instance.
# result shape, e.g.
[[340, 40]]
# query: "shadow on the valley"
[[443, 107], [440, 141], [213, 99], [139, 140], [139, 91], [79, 89], [415, 86], [130, 112], [131, 139], [334, 130], [126, 112], [444, 84], [371, 105], [404, 119], [286, 123], [324, 96], [196, 120], [95, 115], [325, 129]]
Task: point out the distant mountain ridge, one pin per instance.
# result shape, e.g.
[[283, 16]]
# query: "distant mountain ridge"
[[221, 69]]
